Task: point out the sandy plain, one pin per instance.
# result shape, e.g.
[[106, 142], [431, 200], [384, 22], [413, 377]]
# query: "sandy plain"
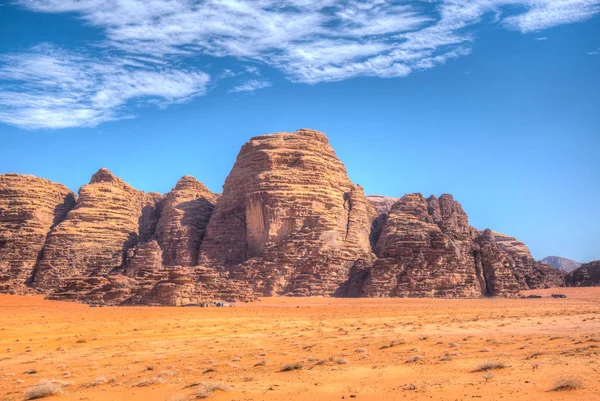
[[363, 349]]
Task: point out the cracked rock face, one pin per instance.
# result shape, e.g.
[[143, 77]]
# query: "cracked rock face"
[[186, 211], [289, 221], [29, 208], [427, 248], [109, 217]]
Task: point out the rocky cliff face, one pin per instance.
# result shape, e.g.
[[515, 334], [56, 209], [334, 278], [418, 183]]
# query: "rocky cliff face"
[[563, 264], [427, 248], [109, 218], [588, 275], [186, 211], [289, 221], [29, 208]]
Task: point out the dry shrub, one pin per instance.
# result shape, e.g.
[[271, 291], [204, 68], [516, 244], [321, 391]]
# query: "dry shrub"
[[488, 365], [567, 384], [45, 388], [205, 390], [291, 366]]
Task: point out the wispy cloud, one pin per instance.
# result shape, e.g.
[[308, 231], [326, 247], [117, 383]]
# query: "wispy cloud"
[[594, 52], [309, 41], [251, 85], [51, 88]]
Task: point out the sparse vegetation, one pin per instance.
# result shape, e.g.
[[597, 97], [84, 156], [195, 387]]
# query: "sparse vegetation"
[[205, 390], [413, 359], [489, 365], [488, 376], [45, 388], [340, 361], [291, 366], [566, 384]]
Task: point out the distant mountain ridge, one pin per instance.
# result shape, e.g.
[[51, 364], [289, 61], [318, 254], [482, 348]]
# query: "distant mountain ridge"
[[563, 264]]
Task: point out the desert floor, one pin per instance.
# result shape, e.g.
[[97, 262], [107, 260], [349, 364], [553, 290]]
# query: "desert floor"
[[363, 349]]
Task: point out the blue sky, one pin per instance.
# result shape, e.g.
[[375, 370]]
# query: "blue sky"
[[493, 101]]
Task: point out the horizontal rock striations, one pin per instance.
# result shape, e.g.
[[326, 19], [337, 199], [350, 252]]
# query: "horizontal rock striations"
[[588, 275], [29, 208], [186, 211], [427, 248], [109, 217], [289, 222]]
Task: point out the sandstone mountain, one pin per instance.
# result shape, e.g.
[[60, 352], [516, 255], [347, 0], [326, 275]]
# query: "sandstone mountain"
[[564, 264], [588, 275], [29, 208], [289, 222]]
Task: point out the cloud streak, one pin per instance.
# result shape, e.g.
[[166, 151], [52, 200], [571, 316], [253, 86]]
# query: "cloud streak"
[[50, 88], [309, 41]]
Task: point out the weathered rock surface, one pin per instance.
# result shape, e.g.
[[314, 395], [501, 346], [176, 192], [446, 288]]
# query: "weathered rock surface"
[[588, 275], [428, 249], [186, 211], [563, 264], [109, 218], [29, 208], [425, 250], [289, 221]]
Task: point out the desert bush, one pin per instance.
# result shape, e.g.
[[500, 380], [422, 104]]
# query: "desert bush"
[[45, 388], [291, 366], [204, 390], [488, 376], [340, 361], [488, 365], [413, 358], [566, 384]]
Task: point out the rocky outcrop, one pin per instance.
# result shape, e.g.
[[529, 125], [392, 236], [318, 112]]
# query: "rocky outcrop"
[[29, 208], [563, 264], [428, 249], [109, 218], [289, 221], [425, 250], [588, 275], [186, 211]]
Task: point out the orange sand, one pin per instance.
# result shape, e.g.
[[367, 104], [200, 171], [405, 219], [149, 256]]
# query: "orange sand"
[[345, 346]]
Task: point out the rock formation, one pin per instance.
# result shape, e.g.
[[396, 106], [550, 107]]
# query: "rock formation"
[[186, 211], [428, 249], [29, 208], [563, 264], [289, 221], [109, 217], [588, 275]]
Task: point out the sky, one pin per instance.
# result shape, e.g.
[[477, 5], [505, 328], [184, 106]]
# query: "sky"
[[494, 101]]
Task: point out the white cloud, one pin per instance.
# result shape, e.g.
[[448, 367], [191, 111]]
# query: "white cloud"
[[251, 85], [50, 88], [309, 41]]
